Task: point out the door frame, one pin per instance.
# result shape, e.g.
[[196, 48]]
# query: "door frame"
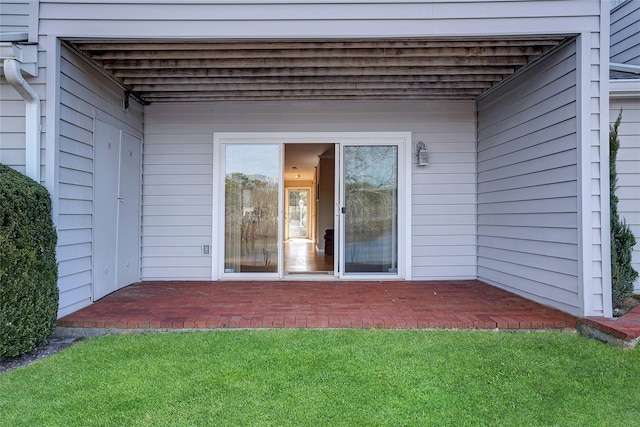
[[401, 139]]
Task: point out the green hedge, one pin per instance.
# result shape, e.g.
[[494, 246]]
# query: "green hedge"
[[28, 269]]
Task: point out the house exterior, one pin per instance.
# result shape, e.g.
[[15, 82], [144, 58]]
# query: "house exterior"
[[166, 131], [625, 97]]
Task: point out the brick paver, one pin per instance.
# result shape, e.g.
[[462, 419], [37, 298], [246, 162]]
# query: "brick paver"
[[314, 304]]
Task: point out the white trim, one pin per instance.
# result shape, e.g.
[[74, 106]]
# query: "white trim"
[[403, 139], [281, 208], [585, 234], [605, 217], [52, 114], [337, 170], [624, 88], [34, 21], [217, 200]]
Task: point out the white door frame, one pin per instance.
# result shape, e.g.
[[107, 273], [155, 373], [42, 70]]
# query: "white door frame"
[[401, 139]]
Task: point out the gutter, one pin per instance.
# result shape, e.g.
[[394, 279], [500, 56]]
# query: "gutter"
[[625, 68], [13, 65], [625, 87]]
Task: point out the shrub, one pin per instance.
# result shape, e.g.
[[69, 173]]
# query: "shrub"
[[622, 239], [28, 269]]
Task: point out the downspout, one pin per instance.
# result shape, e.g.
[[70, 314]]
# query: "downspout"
[[32, 126]]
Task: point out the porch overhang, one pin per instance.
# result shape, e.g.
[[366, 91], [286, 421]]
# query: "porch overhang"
[[348, 69]]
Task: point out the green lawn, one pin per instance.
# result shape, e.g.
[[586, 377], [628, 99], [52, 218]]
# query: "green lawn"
[[328, 378]]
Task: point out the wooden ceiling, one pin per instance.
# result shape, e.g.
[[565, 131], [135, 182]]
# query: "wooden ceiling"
[[313, 70]]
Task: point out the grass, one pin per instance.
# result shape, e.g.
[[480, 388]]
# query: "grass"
[[328, 378]]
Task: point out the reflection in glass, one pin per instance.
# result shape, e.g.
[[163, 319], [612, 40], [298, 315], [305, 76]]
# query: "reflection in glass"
[[251, 208], [371, 215]]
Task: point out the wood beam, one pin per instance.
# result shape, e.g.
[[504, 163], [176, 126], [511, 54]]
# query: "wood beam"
[[118, 45], [219, 54], [360, 97], [293, 63], [131, 81], [320, 71], [408, 86], [310, 93]]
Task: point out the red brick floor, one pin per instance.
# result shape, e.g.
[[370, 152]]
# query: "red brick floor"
[[312, 304]]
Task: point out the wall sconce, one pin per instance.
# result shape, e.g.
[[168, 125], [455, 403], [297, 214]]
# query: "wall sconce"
[[421, 153]]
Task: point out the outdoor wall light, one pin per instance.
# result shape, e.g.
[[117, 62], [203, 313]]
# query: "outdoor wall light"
[[421, 153]]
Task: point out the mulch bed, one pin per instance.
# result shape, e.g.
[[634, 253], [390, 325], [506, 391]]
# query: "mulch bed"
[[52, 346], [626, 305]]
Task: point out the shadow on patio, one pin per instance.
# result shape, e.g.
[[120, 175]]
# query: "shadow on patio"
[[316, 304]]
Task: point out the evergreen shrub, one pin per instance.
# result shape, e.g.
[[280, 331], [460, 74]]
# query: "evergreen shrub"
[[28, 269], [622, 239]]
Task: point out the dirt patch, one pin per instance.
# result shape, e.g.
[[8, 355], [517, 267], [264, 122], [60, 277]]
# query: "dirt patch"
[[626, 305], [52, 346]]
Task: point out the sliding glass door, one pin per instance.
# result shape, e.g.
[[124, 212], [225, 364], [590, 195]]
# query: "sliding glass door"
[[252, 181], [355, 208], [370, 209]]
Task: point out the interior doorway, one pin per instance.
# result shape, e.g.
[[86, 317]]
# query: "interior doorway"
[[297, 213], [309, 198]]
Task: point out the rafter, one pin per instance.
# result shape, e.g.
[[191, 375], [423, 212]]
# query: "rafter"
[[319, 71], [310, 85], [119, 45], [293, 63], [219, 54], [185, 81], [262, 70]]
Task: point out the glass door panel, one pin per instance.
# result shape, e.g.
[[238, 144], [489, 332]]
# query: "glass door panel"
[[370, 179], [252, 176]]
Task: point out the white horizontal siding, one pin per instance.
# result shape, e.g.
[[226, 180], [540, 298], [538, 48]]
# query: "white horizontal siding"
[[12, 122], [319, 19], [179, 163], [628, 168], [177, 202], [625, 33], [528, 222], [14, 16], [84, 95]]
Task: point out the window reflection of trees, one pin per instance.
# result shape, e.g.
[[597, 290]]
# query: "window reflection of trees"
[[371, 181], [251, 215]]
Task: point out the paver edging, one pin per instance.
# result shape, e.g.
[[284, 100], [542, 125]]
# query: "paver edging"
[[613, 332]]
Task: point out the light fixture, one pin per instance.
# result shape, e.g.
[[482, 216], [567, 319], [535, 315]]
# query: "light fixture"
[[421, 153], [297, 176]]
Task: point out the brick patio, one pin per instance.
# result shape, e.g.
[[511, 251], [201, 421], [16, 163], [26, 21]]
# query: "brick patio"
[[316, 304]]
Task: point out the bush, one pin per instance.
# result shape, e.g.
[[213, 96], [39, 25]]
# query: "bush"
[[622, 239], [28, 269]]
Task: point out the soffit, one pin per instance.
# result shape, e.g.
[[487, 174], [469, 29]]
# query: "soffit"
[[407, 69]]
